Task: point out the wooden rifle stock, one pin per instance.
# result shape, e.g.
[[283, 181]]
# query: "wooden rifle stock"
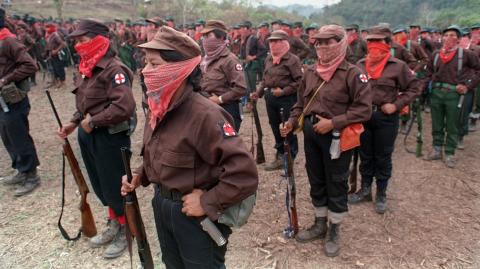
[[88, 227], [135, 227], [260, 157], [291, 194]]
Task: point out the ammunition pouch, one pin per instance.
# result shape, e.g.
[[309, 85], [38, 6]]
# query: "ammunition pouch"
[[237, 215], [15, 92], [127, 125]]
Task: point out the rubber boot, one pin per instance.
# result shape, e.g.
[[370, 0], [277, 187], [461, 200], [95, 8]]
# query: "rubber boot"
[[317, 231], [18, 178], [113, 226], [276, 164], [118, 244], [32, 181], [363, 195], [381, 201]]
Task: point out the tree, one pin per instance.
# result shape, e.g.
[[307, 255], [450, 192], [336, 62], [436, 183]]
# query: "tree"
[[59, 7]]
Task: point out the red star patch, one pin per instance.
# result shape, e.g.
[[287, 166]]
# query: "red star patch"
[[363, 78], [120, 79]]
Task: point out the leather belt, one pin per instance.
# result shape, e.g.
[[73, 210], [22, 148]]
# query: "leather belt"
[[312, 118], [444, 86], [173, 195]]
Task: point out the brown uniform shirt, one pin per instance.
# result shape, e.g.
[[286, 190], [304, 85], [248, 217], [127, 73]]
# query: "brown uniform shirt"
[[356, 51], [189, 149], [396, 78], [298, 47], [419, 54], [15, 63], [285, 75], [54, 42], [107, 96], [400, 52], [224, 77], [345, 99], [448, 73]]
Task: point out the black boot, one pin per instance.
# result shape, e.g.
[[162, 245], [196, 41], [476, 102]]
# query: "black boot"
[[381, 201], [332, 247], [32, 181], [316, 231], [363, 195]]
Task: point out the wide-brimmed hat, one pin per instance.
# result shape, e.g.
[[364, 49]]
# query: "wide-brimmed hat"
[[168, 38]]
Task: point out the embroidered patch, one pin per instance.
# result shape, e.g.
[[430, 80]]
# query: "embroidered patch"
[[120, 79], [238, 67], [228, 130], [363, 78]]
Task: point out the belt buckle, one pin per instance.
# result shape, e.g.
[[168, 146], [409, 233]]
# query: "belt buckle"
[[374, 108]]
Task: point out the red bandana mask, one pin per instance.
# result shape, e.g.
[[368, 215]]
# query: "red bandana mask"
[[352, 37], [377, 58], [278, 49], [4, 33], [401, 38], [331, 56], [449, 49], [163, 82], [90, 53]]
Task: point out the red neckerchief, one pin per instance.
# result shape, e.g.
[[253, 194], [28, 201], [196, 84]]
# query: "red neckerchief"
[[4, 33], [49, 31], [90, 53], [448, 50], [352, 37], [377, 58]]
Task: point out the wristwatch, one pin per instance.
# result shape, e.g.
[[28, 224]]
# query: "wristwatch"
[[90, 123], [220, 99]]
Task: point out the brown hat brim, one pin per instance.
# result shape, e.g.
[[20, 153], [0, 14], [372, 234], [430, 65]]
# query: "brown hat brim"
[[324, 36], [375, 36], [276, 38], [77, 33], [207, 30], [154, 44]]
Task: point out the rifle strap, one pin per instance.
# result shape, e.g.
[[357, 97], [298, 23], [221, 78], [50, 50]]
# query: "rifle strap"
[[309, 104], [60, 227]]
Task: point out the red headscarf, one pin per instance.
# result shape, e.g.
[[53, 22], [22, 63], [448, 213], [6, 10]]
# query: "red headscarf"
[[163, 82], [401, 38], [377, 57], [414, 32], [50, 29], [90, 53], [449, 49], [351, 37], [331, 56], [278, 49], [4, 33]]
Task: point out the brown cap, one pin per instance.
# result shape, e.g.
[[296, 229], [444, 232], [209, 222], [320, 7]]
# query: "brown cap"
[[22, 25], [90, 26], [278, 35], [168, 38], [156, 20], [214, 24], [379, 32], [330, 31]]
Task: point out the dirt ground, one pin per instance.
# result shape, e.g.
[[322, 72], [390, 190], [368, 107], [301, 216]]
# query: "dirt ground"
[[433, 219]]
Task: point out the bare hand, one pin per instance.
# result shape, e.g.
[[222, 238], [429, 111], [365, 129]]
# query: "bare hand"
[[129, 187], [214, 98], [85, 124], [277, 92], [191, 204], [389, 108], [250, 58], [286, 128], [254, 96], [66, 130], [323, 125], [462, 89]]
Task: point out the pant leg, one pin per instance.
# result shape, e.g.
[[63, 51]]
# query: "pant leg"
[[477, 100], [234, 110], [437, 113], [384, 145], [274, 119], [365, 151], [251, 76], [452, 121], [14, 131], [337, 172], [314, 164], [109, 166], [58, 68]]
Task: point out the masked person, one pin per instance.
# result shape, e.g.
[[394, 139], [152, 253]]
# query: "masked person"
[[105, 105], [281, 78], [357, 46], [454, 72], [223, 79], [388, 77], [334, 96], [192, 154], [16, 66]]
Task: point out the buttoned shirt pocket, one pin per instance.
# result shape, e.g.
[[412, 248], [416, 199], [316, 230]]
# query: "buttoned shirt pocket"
[[385, 91], [175, 166]]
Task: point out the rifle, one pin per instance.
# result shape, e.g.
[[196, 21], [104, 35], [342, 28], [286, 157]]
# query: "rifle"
[[88, 223], [352, 181], [416, 115], [260, 157], [292, 228], [135, 227]]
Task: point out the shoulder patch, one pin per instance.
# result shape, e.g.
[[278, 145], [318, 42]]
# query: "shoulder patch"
[[227, 129], [238, 67], [363, 78], [119, 79]]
